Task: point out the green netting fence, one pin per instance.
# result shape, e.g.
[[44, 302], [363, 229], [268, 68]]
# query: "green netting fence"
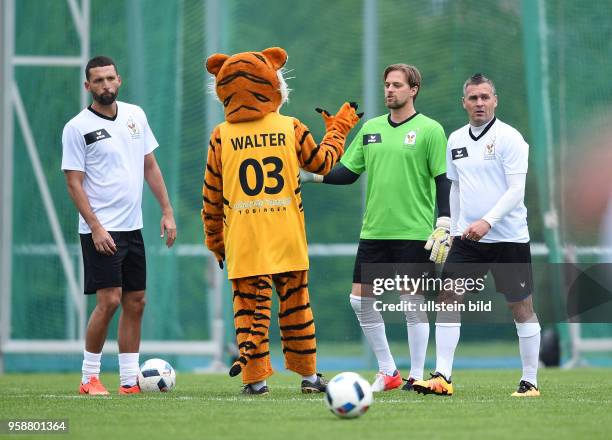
[[159, 48]]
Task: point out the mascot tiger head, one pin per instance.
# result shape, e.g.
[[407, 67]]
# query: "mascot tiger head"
[[250, 84]]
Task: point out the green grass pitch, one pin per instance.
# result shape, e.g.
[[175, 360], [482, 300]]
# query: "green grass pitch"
[[574, 404]]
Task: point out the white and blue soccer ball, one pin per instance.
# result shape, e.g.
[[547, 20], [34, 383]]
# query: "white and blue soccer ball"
[[348, 395], [156, 375]]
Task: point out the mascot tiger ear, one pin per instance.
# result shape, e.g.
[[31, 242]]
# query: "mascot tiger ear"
[[276, 55], [215, 62]]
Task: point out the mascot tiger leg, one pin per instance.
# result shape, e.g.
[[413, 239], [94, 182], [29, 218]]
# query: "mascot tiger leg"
[[296, 322], [252, 308], [252, 303]]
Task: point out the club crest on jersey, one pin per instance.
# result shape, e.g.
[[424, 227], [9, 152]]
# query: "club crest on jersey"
[[133, 128], [374, 138], [410, 138], [489, 150]]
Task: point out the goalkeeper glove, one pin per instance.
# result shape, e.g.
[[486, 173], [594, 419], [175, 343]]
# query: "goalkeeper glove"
[[440, 241], [306, 177]]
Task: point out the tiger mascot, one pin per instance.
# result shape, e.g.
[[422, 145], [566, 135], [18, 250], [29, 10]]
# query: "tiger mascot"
[[253, 214]]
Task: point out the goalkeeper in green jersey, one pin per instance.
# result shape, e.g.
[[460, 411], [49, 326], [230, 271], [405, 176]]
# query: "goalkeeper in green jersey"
[[404, 153]]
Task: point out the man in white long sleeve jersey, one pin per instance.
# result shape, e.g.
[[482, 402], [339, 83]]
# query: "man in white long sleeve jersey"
[[487, 165]]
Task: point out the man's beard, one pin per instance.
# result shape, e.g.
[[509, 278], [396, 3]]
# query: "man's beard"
[[394, 104], [106, 98]]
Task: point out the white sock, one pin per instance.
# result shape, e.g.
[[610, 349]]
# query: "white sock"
[[258, 385], [447, 338], [529, 347], [418, 335], [312, 378], [128, 368], [373, 327], [91, 365]]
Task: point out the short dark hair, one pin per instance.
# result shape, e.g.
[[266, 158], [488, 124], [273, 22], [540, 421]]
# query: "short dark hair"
[[476, 79], [99, 61], [412, 74]]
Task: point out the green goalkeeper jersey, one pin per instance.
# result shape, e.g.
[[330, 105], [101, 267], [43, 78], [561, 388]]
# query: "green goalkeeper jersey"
[[401, 161]]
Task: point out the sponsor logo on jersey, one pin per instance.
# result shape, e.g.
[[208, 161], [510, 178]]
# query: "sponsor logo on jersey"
[[410, 138], [133, 128], [96, 136], [489, 150], [375, 138], [265, 206], [459, 153]]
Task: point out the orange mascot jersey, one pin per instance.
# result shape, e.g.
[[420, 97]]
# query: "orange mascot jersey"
[[252, 208], [262, 200]]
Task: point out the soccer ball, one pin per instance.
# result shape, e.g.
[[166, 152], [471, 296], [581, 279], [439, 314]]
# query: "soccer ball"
[[156, 375], [348, 395]]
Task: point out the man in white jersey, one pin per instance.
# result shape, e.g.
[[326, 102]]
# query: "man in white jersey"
[[487, 165], [107, 151]]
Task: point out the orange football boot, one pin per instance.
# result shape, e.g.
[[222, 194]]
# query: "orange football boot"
[[438, 384], [126, 389], [94, 387], [385, 382]]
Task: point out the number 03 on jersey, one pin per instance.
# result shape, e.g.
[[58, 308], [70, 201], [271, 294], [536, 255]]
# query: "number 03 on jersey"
[[261, 194]]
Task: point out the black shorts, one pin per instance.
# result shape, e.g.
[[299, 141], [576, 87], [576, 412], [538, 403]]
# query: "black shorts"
[[509, 263], [386, 258], [127, 268]]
